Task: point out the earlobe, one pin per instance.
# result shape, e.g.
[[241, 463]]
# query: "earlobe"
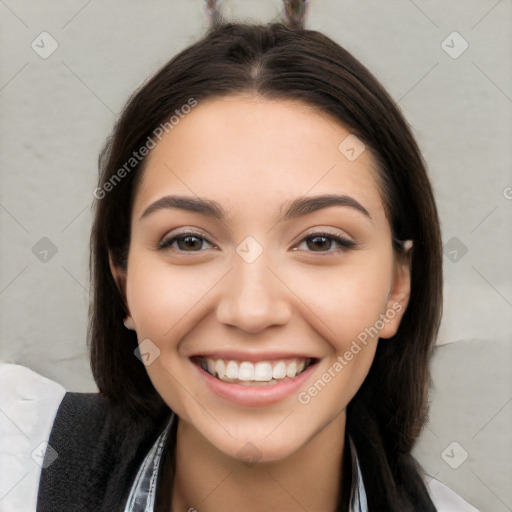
[[128, 323]]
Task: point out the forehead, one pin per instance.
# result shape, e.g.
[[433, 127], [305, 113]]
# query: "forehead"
[[258, 153]]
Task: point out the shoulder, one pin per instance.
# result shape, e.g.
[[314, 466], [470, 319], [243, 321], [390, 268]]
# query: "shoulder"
[[447, 500], [28, 405], [100, 446]]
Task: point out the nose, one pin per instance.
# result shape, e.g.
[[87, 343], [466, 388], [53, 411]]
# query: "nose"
[[253, 298]]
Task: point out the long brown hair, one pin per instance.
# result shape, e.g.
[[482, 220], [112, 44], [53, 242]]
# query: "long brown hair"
[[278, 62]]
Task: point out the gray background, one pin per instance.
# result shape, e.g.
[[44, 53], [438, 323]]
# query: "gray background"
[[57, 111]]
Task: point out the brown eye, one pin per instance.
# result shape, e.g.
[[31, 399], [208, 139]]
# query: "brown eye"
[[319, 243], [327, 243], [185, 242]]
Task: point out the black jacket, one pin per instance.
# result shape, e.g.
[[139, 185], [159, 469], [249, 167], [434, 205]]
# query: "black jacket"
[[100, 448]]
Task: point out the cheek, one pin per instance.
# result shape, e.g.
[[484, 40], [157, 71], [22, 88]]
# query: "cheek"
[[344, 305], [160, 296], [163, 302], [346, 317], [342, 300]]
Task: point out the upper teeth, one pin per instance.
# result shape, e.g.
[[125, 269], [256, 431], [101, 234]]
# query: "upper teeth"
[[262, 371]]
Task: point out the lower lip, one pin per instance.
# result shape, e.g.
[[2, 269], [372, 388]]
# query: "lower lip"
[[255, 396]]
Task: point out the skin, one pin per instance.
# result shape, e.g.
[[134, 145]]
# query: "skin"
[[253, 156]]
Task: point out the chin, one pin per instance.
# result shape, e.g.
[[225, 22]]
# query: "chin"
[[254, 449]]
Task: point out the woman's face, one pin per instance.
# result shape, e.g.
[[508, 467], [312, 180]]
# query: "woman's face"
[[238, 263]]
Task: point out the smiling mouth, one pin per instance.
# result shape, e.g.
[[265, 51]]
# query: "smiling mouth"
[[247, 373]]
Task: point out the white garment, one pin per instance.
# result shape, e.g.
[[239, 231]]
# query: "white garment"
[[28, 405]]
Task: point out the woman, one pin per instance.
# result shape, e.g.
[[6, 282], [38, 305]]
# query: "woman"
[[266, 293]]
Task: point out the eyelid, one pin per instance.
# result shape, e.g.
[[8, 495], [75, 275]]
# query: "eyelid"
[[325, 231]]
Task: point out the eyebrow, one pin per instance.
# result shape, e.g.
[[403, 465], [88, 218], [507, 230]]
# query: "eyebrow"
[[310, 204], [191, 204], [296, 208]]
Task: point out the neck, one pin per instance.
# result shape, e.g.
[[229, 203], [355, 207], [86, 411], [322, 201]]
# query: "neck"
[[313, 478]]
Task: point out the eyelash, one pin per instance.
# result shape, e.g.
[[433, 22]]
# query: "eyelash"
[[344, 243]]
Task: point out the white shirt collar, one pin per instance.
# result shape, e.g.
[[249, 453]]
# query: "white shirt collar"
[[143, 492]]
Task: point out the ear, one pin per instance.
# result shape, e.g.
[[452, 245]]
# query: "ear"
[[119, 276], [399, 293]]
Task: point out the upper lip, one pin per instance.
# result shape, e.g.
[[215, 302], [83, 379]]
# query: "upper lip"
[[252, 356]]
